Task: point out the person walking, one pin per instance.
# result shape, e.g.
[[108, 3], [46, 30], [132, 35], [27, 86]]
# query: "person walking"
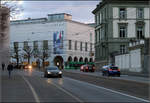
[[3, 66], [9, 68]]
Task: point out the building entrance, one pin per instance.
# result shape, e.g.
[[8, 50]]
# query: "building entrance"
[[58, 61]]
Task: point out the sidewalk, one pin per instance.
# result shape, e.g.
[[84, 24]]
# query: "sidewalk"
[[122, 77], [14, 89]]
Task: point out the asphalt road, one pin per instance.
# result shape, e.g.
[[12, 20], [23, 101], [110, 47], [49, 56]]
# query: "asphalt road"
[[122, 77], [31, 86]]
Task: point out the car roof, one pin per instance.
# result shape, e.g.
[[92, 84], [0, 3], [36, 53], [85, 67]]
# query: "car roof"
[[52, 67]]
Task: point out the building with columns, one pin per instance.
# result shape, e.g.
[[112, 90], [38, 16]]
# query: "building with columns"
[[117, 23], [64, 39]]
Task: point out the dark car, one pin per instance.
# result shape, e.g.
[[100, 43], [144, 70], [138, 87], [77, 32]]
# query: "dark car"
[[110, 71], [87, 68], [52, 71]]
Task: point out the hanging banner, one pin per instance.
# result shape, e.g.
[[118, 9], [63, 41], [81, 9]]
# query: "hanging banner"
[[58, 42]]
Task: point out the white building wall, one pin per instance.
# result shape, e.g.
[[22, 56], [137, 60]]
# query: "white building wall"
[[146, 13], [131, 13], [115, 12], [80, 32], [131, 61]]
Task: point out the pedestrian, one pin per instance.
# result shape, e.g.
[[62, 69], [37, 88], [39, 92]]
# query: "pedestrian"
[[3, 66], [9, 68]]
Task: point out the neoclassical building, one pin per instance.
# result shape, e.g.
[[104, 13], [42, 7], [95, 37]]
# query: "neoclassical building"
[[64, 39], [117, 23]]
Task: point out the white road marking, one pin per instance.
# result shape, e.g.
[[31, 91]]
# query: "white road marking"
[[76, 98], [109, 90], [32, 89]]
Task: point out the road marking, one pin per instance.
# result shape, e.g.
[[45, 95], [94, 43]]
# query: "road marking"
[[76, 98], [110, 90], [32, 89]]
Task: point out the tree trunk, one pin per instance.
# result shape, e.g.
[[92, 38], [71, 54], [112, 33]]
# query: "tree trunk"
[[28, 59], [43, 62]]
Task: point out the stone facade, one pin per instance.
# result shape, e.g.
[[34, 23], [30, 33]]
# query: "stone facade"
[[117, 22]]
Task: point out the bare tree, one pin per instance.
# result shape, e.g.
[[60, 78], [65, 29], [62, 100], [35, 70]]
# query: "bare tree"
[[28, 53], [14, 9], [43, 55]]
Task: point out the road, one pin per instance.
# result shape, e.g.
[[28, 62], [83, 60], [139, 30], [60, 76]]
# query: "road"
[[31, 86], [122, 77]]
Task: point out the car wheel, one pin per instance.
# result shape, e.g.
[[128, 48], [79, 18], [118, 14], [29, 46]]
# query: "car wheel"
[[60, 76], [118, 75], [107, 74], [45, 76]]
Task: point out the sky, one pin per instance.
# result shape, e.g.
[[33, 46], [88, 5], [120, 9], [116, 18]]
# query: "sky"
[[80, 10]]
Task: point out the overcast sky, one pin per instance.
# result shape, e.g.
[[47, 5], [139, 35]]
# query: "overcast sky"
[[80, 10]]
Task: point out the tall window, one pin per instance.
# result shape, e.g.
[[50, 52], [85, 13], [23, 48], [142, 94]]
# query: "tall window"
[[90, 46], [70, 44], [102, 33], [25, 44], [45, 44], [16, 45], [80, 46], [123, 49], [86, 46], [97, 18], [95, 36], [140, 13], [140, 32], [35, 45], [75, 45], [122, 31], [122, 13]]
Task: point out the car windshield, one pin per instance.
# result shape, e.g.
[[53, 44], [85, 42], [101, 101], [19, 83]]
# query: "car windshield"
[[114, 68], [52, 68]]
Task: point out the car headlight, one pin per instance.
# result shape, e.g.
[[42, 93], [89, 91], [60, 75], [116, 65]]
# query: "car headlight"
[[30, 67], [60, 72], [49, 72]]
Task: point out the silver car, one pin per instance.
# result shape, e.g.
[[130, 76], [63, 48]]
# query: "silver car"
[[52, 71]]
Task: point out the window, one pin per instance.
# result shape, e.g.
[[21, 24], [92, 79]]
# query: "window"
[[90, 36], [122, 31], [95, 37], [45, 44], [122, 13], [90, 46], [102, 33], [140, 13], [97, 18], [25, 44], [75, 45], [86, 47], [100, 37], [16, 45], [35, 45], [140, 32], [122, 49], [80, 46], [70, 45]]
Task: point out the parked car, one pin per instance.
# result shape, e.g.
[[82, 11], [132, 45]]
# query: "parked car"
[[52, 71], [110, 71], [87, 68]]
